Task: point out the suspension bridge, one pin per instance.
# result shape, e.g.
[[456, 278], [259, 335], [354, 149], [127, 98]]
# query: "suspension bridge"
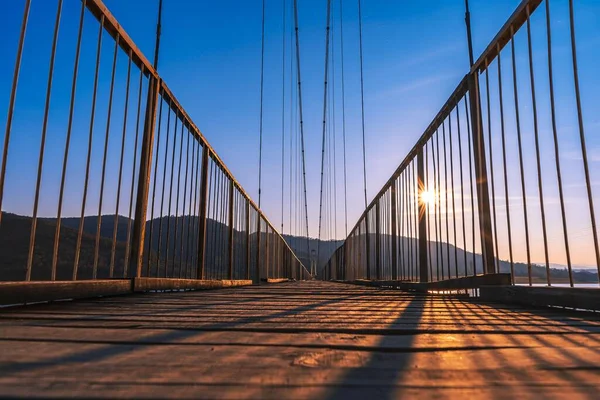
[[156, 275]]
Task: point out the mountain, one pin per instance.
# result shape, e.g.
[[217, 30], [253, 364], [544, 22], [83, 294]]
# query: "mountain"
[[178, 257], [445, 254], [324, 248], [14, 248], [15, 234]]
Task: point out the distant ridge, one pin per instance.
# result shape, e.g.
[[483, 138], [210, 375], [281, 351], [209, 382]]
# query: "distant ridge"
[[15, 231]]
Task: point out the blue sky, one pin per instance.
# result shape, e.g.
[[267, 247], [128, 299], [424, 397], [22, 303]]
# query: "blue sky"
[[415, 53]]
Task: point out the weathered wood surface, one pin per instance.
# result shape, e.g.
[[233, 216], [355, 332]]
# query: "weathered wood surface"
[[466, 282], [147, 284], [31, 292], [297, 340], [578, 298]]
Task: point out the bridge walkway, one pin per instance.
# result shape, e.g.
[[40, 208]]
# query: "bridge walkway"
[[296, 340]]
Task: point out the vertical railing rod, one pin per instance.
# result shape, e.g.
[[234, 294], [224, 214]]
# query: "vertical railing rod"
[[231, 228], [11, 103], [393, 223], [141, 205], [247, 238], [481, 185], [202, 212], [422, 228], [378, 239]]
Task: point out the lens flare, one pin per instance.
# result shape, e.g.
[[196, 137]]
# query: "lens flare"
[[427, 197]]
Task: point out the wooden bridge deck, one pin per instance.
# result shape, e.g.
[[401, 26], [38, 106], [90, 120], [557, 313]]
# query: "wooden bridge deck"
[[296, 340]]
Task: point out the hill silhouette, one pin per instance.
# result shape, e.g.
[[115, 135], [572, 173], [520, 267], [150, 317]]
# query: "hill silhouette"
[[538, 272], [178, 257], [15, 232]]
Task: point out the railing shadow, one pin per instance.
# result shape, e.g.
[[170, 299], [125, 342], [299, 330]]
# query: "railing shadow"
[[108, 351], [387, 380]]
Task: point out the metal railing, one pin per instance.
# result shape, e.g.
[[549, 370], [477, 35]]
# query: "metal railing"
[[472, 196], [147, 194]]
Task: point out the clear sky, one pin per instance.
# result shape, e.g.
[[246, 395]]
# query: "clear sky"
[[415, 53]]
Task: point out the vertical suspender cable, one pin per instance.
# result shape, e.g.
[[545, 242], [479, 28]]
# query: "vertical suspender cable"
[[324, 125], [343, 118], [362, 100], [291, 176], [301, 118], [332, 112], [283, 116], [262, 76], [469, 37], [158, 32]]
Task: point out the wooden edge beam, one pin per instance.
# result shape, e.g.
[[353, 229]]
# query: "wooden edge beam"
[[147, 284], [32, 292], [114, 29], [468, 282], [576, 298], [98, 9], [278, 280], [458, 93], [516, 21]]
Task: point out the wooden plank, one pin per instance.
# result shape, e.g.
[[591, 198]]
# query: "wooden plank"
[[31, 292], [203, 345], [147, 284], [578, 298]]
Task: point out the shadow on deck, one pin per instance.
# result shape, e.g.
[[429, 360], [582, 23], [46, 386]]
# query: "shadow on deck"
[[296, 340]]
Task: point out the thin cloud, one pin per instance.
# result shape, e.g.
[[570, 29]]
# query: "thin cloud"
[[593, 155], [428, 56], [414, 85]]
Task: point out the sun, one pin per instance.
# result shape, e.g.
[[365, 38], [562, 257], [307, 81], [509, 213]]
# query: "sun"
[[427, 197]]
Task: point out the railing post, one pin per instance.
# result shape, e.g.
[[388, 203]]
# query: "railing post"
[[423, 271], [231, 228], [258, 223], [394, 236], [202, 211], [377, 241], [141, 205], [345, 262], [483, 196], [367, 250], [247, 239], [359, 253], [267, 252]]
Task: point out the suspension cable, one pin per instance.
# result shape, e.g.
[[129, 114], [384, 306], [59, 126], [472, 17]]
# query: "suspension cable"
[[262, 75], [362, 100], [283, 117], [324, 124], [292, 120], [343, 118], [333, 132], [158, 32], [301, 119]]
